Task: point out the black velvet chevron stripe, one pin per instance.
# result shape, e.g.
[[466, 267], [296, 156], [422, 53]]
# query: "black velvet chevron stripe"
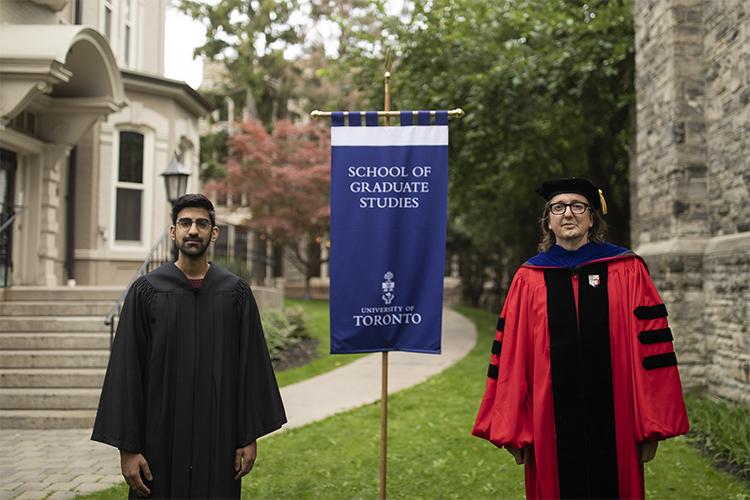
[[500, 324], [496, 347], [493, 371], [651, 312], [660, 361], [654, 336]]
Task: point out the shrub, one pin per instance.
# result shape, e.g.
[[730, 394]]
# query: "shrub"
[[284, 329], [236, 266], [722, 430]]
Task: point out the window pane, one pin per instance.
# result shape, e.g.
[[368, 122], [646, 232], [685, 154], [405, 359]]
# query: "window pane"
[[127, 44], [221, 247], [108, 23], [221, 197], [278, 261], [237, 199], [128, 215], [131, 157], [240, 244], [224, 111]]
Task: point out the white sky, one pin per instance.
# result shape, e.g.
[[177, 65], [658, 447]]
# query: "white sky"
[[183, 34]]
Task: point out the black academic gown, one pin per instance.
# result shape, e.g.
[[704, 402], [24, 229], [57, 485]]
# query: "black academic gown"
[[189, 381]]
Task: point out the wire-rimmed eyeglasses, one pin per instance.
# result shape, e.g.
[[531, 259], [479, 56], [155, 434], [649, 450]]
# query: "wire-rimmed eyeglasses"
[[577, 207], [187, 223]]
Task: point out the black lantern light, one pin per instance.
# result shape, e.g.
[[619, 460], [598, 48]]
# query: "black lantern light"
[[175, 179]]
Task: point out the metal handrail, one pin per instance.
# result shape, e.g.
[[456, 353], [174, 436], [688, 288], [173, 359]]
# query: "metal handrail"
[[152, 257], [8, 222]]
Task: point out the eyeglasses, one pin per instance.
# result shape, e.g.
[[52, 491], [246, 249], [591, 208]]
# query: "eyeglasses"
[[577, 207], [187, 223]]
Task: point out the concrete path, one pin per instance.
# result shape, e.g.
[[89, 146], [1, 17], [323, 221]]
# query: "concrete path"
[[60, 464], [358, 383]]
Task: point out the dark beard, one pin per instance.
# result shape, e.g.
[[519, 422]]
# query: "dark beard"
[[194, 252]]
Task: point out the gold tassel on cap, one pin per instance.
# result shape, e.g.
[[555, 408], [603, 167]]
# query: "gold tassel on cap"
[[604, 203]]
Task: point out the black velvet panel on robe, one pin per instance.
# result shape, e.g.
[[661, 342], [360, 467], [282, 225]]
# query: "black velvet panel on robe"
[[582, 389], [189, 381]]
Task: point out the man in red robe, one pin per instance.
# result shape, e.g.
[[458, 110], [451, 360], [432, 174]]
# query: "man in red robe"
[[583, 379]]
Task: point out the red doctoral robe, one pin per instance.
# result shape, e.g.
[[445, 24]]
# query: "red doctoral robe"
[[582, 369]]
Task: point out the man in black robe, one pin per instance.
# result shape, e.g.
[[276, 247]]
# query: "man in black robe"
[[189, 387]]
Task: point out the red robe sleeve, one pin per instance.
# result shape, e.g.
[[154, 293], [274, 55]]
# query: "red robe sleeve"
[[659, 406], [504, 416]]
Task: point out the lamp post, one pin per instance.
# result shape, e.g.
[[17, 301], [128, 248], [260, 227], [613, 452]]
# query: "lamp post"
[[175, 182]]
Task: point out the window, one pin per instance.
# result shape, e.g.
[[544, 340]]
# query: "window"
[[221, 247], [108, 20], [129, 190], [127, 45], [224, 110], [221, 196], [237, 199], [240, 244], [127, 32]]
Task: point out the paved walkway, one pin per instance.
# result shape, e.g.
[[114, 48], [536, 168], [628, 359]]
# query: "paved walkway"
[[60, 464]]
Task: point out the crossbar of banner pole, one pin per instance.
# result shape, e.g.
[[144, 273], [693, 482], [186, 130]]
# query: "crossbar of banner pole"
[[453, 113]]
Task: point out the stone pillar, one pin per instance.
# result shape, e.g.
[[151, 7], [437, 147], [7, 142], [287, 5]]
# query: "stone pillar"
[[670, 224], [49, 272]]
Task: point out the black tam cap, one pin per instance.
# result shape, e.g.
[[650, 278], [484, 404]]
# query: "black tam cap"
[[578, 185]]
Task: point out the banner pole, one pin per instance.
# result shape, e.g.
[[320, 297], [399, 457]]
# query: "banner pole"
[[384, 359]]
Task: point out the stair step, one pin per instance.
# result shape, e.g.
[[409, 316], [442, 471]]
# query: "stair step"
[[58, 293], [52, 377], [53, 324], [49, 399], [47, 419], [54, 359], [55, 308], [54, 341]]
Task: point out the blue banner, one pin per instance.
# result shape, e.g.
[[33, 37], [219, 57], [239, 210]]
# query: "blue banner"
[[389, 199]]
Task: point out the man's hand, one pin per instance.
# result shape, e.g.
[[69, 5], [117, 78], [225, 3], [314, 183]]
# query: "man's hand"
[[522, 455], [647, 450], [244, 459], [132, 464]]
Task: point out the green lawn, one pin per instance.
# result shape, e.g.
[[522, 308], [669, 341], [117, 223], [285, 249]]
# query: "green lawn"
[[316, 312], [431, 454]]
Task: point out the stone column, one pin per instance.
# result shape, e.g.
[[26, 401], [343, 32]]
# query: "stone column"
[[50, 254], [670, 226]]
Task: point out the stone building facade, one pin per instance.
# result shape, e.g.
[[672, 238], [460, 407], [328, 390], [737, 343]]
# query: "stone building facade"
[[690, 181]]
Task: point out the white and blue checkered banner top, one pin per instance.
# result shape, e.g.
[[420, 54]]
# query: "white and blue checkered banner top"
[[389, 200]]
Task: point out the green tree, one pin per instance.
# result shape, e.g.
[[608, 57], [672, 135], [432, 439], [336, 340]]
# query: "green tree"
[[547, 86], [250, 38]]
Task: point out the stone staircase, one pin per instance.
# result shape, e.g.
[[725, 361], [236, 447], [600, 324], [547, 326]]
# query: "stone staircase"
[[54, 348]]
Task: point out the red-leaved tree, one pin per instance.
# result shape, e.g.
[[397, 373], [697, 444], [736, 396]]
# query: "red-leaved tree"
[[285, 175]]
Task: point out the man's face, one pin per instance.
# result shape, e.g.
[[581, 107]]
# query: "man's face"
[[570, 228], [193, 232]]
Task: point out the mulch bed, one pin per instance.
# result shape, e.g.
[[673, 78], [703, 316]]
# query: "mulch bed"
[[299, 354]]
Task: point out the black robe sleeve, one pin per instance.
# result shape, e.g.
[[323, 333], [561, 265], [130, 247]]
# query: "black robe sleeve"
[[259, 402], [121, 414]]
